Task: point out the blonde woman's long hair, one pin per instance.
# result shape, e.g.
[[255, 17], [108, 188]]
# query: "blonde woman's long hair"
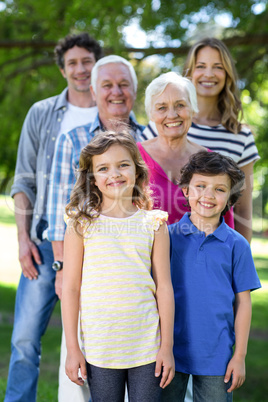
[[86, 198], [229, 104]]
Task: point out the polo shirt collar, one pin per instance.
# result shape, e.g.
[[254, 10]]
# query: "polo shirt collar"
[[221, 233], [187, 228]]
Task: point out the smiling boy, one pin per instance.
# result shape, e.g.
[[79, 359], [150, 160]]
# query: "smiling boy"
[[212, 273]]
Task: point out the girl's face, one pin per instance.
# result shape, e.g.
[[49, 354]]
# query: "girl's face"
[[209, 75], [208, 195], [171, 111], [115, 173]]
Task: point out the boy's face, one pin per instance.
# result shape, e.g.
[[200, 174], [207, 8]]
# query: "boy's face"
[[208, 195]]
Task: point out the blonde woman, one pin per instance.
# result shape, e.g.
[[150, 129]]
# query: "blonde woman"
[[217, 125]]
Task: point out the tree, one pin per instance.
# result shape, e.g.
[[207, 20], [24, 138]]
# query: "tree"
[[29, 30]]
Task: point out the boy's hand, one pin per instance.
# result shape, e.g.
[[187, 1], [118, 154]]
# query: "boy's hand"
[[165, 359], [236, 369], [74, 362]]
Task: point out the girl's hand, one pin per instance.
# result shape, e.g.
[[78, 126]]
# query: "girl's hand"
[[74, 362], [58, 283], [165, 359], [236, 369]]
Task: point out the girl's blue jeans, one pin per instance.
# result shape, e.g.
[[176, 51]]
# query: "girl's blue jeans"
[[108, 385]]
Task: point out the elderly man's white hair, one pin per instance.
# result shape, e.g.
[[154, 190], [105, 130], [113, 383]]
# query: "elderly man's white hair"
[[159, 84], [112, 59]]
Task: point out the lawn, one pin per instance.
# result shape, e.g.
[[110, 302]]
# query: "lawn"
[[255, 388]]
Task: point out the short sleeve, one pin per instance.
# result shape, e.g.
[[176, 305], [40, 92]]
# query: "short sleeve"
[[158, 218], [250, 151], [70, 221], [82, 225], [245, 276], [67, 219]]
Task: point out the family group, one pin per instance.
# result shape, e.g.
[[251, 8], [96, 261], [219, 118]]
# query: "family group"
[[142, 232]]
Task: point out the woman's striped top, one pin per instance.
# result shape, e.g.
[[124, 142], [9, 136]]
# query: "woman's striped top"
[[240, 147]]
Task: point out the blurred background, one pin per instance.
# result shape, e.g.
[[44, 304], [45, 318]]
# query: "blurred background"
[[155, 35]]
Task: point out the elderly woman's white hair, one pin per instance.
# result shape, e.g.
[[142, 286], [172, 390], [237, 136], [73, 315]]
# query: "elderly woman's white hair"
[[159, 84], [112, 59]]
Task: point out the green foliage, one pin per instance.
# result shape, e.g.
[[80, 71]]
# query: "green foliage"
[[28, 73], [6, 211]]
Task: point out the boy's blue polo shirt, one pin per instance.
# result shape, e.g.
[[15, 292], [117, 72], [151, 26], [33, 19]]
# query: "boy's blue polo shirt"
[[206, 273]]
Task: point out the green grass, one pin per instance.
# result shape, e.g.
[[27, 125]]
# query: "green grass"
[[255, 388], [48, 383], [8, 294]]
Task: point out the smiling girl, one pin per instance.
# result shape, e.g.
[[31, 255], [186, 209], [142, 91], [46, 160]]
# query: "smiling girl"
[[116, 270]]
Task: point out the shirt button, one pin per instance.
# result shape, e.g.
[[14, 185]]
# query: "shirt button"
[[64, 108], [37, 216], [48, 131], [53, 138], [201, 248], [45, 176], [59, 119], [48, 156], [41, 197]]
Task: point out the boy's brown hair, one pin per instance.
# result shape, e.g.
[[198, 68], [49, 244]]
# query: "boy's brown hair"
[[212, 164]]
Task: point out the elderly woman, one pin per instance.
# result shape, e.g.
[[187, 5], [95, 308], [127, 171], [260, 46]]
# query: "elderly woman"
[[170, 102]]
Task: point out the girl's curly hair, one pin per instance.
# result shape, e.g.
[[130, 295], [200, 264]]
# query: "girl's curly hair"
[[86, 198]]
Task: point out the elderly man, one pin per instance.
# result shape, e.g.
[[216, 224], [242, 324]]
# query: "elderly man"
[[113, 87], [36, 297]]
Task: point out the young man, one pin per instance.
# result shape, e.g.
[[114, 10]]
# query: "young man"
[[213, 273], [36, 296]]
